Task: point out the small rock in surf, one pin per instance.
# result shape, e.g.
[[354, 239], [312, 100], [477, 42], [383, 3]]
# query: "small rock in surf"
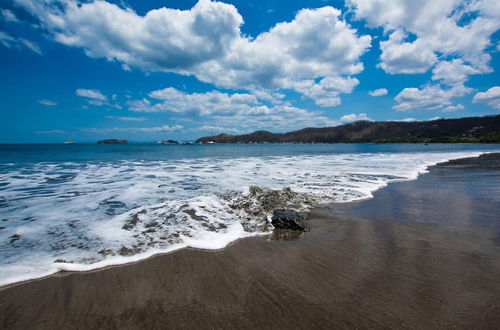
[[289, 219]]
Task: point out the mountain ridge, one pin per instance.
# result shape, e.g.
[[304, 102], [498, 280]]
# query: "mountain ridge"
[[458, 130]]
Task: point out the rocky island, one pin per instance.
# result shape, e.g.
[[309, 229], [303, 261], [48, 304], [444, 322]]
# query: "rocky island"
[[112, 141]]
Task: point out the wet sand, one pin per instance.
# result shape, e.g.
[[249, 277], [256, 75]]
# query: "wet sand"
[[423, 254]]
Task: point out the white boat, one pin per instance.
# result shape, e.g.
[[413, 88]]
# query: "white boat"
[[70, 141]]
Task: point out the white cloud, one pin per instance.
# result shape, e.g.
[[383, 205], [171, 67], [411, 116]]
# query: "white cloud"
[[239, 110], [52, 131], [216, 129], [8, 16], [452, 108], [405, 57], [326, 93], [162, 40], [491, 97], [316, 44], [11, 42], [378, 92], [279, 118], [91, 94], [273, 97], [95, 97], [453, 72], [434, 118], [354, 117], [48, 103], [157, 129], [209, 103], [427, 97], [127, 118], [435, 29], [206, 41], [408, 120]]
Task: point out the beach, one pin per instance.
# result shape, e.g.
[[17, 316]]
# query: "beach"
[[422, 254]]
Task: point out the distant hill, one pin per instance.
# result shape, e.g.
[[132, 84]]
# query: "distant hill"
[[112, 141], [462, 130]]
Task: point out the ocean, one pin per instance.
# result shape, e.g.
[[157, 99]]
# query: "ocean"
[[83, 207]]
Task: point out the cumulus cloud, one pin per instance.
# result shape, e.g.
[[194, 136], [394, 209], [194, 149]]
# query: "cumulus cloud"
[[241, 111], [326, 93], [48, 103], [451, 36], [206, 41], [273, 97], [378, 92], [354, 117], [175, 101], [428, 97], [421, 31], [408, 120], [283, 55], [12, 42], [405, 57], [491, 97], [452, 108], [278, 118], [162, 40], [453, 72]]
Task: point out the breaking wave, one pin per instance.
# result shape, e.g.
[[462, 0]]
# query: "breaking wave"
[[80, 216]]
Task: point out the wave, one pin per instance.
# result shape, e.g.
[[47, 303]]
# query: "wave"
[[83, 216]]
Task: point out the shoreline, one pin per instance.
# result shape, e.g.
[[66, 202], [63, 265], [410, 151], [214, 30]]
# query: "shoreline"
[[153, 253], [382, 262], [156, 253]]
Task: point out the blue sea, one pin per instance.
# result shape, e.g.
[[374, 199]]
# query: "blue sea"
[[83, 207]]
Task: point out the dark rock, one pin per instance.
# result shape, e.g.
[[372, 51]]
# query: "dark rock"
[[14, 238], [289, 219]]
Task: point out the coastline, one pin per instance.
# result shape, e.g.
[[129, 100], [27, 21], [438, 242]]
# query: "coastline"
[[222, 241], [369, 264]]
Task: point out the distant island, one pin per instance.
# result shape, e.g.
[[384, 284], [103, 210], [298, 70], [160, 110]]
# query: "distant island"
[[168, 142], [462, 130], [112, 141]]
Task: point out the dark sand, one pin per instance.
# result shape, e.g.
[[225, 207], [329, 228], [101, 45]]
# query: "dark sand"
[[423, 254]]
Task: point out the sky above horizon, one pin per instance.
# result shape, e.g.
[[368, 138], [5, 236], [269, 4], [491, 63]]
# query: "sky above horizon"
[[170, 69]]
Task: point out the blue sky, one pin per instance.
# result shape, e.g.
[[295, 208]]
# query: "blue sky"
[[152, 70]]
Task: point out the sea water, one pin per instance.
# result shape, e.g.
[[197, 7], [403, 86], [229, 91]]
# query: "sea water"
[[82, 207]]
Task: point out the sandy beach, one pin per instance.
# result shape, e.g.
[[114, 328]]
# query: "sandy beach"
[[421, 254]]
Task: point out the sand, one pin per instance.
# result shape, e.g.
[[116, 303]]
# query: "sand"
[[422, 254]]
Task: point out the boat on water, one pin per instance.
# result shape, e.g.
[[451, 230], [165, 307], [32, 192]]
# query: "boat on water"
[[70, 140]]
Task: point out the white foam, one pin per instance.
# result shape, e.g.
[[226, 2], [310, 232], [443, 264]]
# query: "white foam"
[[77, 211]]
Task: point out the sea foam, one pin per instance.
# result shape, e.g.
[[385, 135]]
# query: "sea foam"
[[78, 216]]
